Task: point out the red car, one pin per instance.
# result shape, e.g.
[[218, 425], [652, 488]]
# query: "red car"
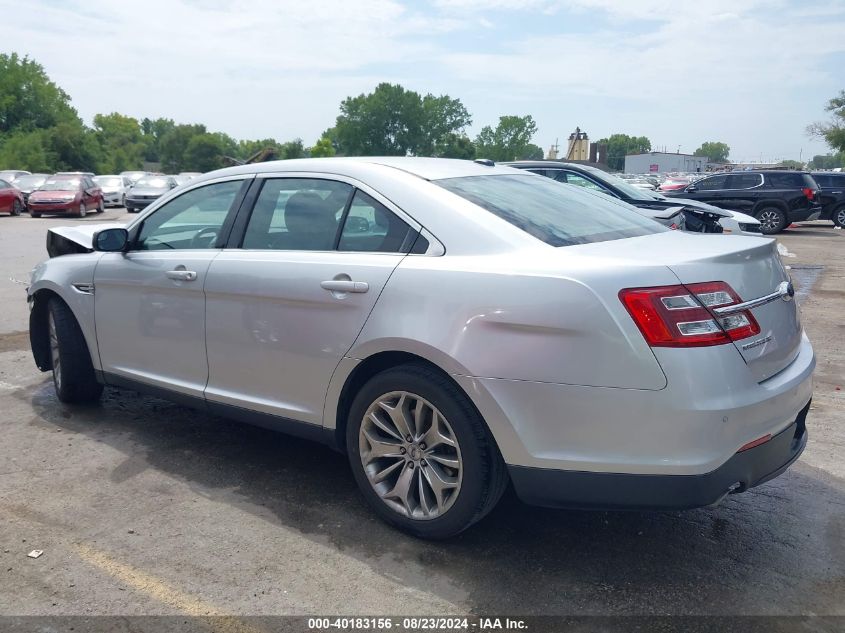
[[674, 184], [71, 194], [11, 198]]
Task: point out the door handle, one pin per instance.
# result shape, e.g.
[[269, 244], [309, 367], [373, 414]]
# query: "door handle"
[[181, 275], [343, 285]]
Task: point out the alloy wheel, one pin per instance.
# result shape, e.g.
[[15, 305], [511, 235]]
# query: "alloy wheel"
[[54, 353], [839, 219], [410, 455], [770, 220], [82, 210]]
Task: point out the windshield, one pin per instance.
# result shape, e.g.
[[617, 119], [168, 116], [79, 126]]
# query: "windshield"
[[554, 213], [63, 184], [30, 182], [108, 181], [617, 183], [154, 182]]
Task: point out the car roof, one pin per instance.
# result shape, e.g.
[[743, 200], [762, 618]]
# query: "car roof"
[[425, 168]]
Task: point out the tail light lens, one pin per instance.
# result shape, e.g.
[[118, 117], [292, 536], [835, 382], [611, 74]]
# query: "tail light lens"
[[681, 316], [809, 193]]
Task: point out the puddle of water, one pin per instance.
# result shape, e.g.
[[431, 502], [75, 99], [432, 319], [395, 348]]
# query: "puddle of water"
[[806, 277]]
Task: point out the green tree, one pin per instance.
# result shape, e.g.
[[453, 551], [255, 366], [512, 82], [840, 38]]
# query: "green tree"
[[510, 140], [248, 148], [292, 149], [154, 131], [827, 161], [121, 142], [204, 152], [620, 145], [792, 164], [716, 151], [386, 122], [321, 148], [833, 131], [455, 146], [444, 121], [28, 99], [27, 150], [174, 144]]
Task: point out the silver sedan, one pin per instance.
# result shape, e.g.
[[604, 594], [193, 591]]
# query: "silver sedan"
[[452, 326]]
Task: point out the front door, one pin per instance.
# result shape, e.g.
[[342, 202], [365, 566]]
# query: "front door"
[[287, 304], [150, 302]]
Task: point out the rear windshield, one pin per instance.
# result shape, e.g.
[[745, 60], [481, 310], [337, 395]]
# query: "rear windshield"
[[554, 213]]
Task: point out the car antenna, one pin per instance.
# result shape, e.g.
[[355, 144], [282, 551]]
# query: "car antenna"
[[485, 161]]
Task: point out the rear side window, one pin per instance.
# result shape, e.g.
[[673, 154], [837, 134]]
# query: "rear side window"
[[371, 227], [744, 181], [553, 213], [786, 181]]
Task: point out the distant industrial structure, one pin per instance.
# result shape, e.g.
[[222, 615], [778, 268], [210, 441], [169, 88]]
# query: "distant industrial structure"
[[581, 150], [664, 162]]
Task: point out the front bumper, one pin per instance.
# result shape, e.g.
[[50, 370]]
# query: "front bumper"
[[113, 198], [139, 203], [624, 491], [53, 207]]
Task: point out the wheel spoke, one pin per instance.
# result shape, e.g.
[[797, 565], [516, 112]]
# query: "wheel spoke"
[[434, 436], [437, 485], [384, 474], [397, 415], [451, 462], [381, 448], [401, 490], [384, 427]]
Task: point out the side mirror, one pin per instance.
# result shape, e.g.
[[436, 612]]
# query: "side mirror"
[[692, 189], [111, 240]]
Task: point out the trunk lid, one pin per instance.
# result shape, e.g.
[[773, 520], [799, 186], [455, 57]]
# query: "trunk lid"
[[750, 265]]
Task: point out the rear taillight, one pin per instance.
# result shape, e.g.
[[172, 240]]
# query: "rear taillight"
[[809, 193], [681, 316]]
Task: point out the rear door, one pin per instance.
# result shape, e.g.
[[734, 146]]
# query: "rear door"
[[7, 196], [289, 297], [741, 192]]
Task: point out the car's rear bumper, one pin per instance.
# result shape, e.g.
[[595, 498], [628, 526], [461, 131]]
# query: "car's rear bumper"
[[746, 469]]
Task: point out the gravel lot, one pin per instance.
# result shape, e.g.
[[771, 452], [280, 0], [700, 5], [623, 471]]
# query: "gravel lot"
[[143, 507]]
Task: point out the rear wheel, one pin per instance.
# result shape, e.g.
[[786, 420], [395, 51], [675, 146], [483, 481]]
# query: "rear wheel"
[[772, 220], [421, 455], [83, 210], [839, 217], [73, 372]]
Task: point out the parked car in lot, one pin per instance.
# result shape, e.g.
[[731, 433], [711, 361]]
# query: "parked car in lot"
[[688, 215], [29, 183], [11, 199], [451, 326], [673, 184], [11, 175], [832, 196], [774, 197], [147, 190], [114, 189], [66, 195], [134, 176], [186, 176]]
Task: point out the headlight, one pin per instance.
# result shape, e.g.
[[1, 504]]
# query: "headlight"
[[68, 197]]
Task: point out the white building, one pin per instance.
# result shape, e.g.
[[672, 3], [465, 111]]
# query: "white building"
[[663, 162]]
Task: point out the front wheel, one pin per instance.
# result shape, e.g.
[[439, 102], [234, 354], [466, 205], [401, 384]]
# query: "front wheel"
[[101, 206], [839, 217], [421, 454], [83, 210], [17, 207], [73, 372], [772, 220]]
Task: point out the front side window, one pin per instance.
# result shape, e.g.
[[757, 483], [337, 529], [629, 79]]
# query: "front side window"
[[193, 220], [551, 212], [579, 181], [300, 214], [712, 183], [4, 185], [372, 227]]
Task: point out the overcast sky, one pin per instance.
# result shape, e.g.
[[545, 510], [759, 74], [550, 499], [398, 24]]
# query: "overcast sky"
[[752, 73]]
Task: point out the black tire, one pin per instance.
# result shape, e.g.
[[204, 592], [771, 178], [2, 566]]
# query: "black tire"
[[484, 474], [101, 207], [838, 217], [75, 380], [772, 219], [34, 214], [83, 210], [17, 207]]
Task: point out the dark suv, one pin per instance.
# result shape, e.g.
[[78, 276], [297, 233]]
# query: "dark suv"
[[832, 187], [774, 197]]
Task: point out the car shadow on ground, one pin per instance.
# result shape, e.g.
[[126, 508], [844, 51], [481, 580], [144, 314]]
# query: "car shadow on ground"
[[775, 549]]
